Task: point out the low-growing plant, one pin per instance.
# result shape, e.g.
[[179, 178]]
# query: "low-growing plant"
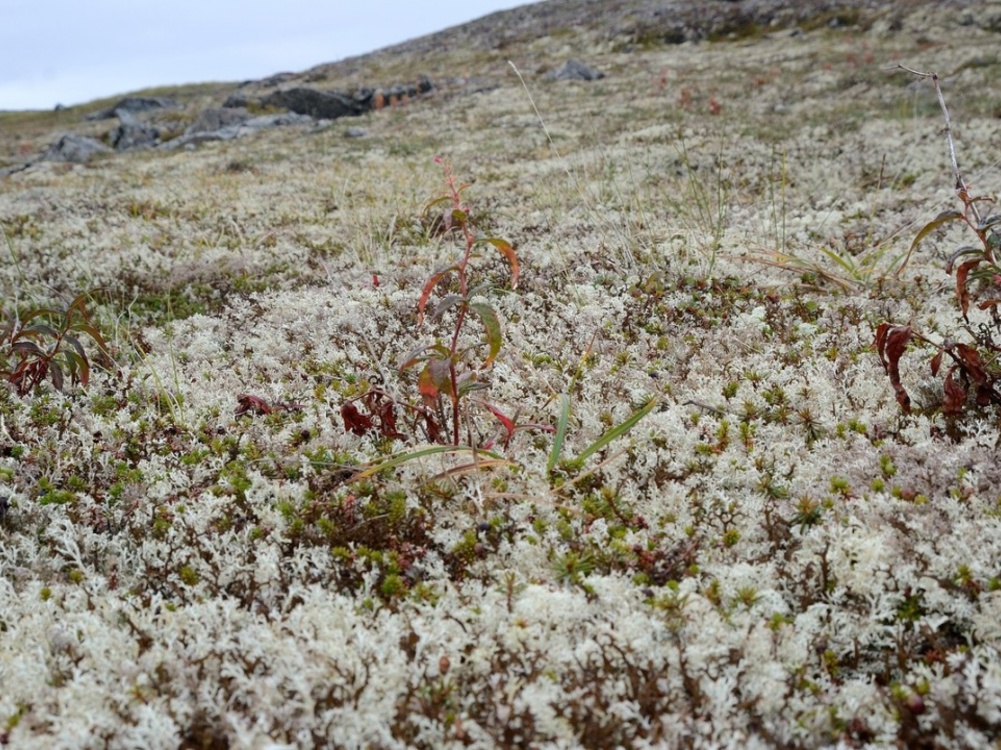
[[973, 367], [705, 203], [851, 262], [46, 342], [450, 369]]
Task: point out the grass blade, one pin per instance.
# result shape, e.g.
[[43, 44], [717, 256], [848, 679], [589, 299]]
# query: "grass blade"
[[619, 430], [561, 432]]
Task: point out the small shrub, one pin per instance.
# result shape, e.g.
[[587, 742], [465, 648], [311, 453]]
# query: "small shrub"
[[46, 342], [972, 367], [449, 368]]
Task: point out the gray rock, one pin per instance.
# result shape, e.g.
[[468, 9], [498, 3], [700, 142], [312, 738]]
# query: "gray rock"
[[215, 118], [328, 105], [423, 86], [271, 81], [133, 104], [575, 70], [271, 121], [74, 148], [133, 133], [237, 130], [236, 101], [5, 171], [190, 140], [354, 132]]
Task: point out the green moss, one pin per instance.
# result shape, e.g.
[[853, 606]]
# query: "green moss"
[[48, 494], [188, 575]]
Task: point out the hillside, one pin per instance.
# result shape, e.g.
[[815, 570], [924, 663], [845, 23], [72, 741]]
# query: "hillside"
[[512, 410]]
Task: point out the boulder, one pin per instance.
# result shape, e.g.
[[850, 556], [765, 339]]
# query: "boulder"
[[74, 148], [575, 70], [236, 101], [133, 133], [236, 130], [216, 118], [133, 104], [264, 122], [274, 80], [327, 105]]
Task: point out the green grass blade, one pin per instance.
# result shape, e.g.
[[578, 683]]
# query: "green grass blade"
[[927, 229], [561, 432], [846, 264], [619, 430]]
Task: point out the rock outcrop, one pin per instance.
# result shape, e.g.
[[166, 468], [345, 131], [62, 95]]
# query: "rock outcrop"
[[575, 70], [303, 106], [77, 149], [133, 133], [133, 104], [236, 129], [217, 118], [327, 105]]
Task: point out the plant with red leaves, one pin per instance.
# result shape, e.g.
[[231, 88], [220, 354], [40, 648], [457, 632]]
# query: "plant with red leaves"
[[380, 406], [251, 405], [47, 342], [451, 367], [448, 369], [973, 368]]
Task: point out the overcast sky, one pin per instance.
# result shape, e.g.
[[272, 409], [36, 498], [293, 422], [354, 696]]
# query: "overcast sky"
[[72, 51]]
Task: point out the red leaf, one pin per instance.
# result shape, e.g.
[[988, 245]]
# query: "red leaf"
[[973, 368], [508, 252], [429, 286], [251, 405], [504, 420], [354, 421], [891, 341], [56, 373], [985, 395], [880, 341], [427, 388], [440, 373], [433, 428], [955, 394], [972, 363], [936, 362], [961, 291], [387, 420]]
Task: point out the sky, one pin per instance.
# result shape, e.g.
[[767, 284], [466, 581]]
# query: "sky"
[[70, 52]]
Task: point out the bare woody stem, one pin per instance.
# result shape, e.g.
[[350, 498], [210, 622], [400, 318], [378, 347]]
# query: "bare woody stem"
[[962, 188]]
